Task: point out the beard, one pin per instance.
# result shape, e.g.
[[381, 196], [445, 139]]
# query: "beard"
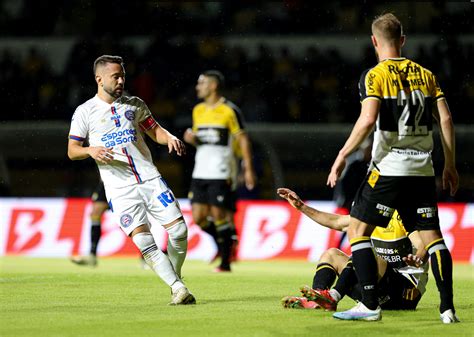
[[114, 93]]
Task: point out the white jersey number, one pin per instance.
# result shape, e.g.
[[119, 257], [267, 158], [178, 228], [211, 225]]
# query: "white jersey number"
[[412, 103]]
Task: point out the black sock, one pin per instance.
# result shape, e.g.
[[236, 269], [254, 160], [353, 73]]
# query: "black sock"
[[224, 241], [324, 277], [347, 280], [95, 236], [233, 232], [365, 265], [210, 228], [442, 267]]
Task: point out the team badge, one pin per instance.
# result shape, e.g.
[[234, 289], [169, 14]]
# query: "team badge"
[[373, 177], [126, 220], [130, 115]]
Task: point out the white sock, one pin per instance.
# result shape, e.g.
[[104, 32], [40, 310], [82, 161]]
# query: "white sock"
[[155, 258], [335, 294], [177, 245]]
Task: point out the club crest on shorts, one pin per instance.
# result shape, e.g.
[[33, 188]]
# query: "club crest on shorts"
[[126, 220], [130, 115]]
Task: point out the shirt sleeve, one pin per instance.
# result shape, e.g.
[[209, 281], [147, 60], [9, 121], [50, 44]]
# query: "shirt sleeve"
[[145, 119], [370, 85], [435, 91], [195, 111], [235, 126], [79, 128]]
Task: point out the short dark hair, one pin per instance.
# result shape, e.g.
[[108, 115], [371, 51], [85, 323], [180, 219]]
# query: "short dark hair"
[[216, 76], [104, 59]]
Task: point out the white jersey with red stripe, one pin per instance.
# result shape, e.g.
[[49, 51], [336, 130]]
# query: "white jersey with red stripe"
[[119, 126]]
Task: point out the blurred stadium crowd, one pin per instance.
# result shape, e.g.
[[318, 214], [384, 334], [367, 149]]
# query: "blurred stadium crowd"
[[167, 44], [275, 86]]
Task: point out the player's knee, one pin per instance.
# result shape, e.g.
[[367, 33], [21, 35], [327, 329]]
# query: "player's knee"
[[144, 241], [178, 231], [329, 255]]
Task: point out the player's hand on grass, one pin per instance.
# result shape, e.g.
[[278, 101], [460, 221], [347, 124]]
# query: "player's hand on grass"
[[101, 154], [291, 197], [175, 144]]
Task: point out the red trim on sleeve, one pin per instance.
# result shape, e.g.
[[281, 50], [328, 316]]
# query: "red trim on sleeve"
[[148, 124]]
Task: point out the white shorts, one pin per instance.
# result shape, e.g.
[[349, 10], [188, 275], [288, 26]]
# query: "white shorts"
[[133, 205]]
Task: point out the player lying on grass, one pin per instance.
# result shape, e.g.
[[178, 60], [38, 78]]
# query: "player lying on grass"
[[402, 276]]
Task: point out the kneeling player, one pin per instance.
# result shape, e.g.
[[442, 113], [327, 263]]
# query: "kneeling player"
[[400, 285]]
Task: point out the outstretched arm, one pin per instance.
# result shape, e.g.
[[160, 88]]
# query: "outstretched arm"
[[329, 220]]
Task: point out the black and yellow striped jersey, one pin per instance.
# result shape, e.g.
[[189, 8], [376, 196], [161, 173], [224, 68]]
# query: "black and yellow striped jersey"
[[403, 136], [215, 128]]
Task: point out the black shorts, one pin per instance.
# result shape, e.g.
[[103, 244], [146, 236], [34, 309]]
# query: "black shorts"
[[233, 201], [413, 197], [212, 192], [99, 193], [395, 292]]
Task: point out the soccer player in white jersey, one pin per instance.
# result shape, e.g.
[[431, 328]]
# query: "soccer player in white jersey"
[[399, 99], [114, 126]]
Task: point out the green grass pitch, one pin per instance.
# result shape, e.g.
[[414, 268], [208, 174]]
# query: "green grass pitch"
[[53, 297]]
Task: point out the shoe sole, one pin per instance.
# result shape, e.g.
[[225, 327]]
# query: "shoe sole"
[[355, 318]]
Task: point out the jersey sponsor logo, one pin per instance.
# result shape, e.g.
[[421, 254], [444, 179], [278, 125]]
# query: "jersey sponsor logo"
[[393, 69], [370, 83], [427, 212], [166, 198], [119, 137], [213, 136], [385, 210], [126, 220], [116, 119], [391, 258], [130, 115], [382, 250], [409, 152]]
